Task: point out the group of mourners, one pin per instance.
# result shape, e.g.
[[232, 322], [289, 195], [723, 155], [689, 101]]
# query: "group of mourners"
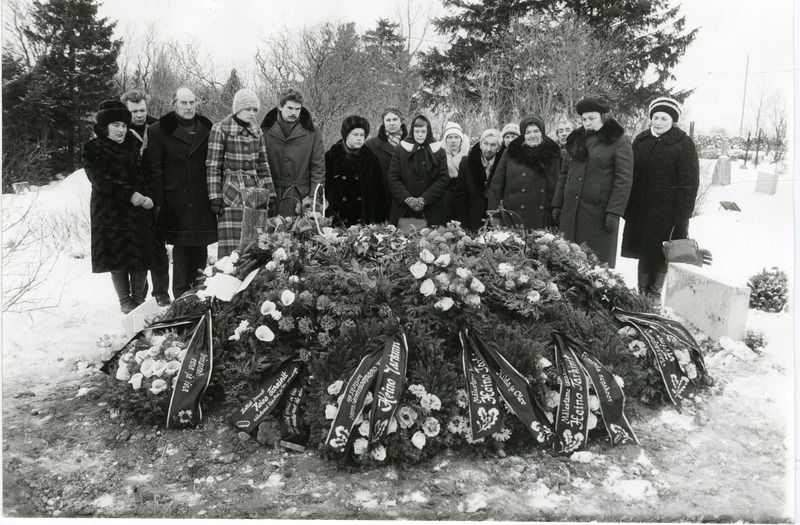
[[180, 180]]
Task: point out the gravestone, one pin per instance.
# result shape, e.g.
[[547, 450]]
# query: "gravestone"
[[766, 183], [780, 168], [722, 171], [725, 146], [716, 307]]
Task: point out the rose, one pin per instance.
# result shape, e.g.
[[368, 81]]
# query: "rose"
[[443, 260], [234, 257], [360, 446], [158, 386], [406, 416], [427, 288], [287, 297], [363, 428], [477, 286], [681, 355], [464, 273], [626, 331], [426, 256], [473, 300], [444, 304], [442, 279], [430, 402], [335, 387], [691, 371], [379, 453], [279, 255], [504, 268], [263, 333], [136, 381], [267, 307], [368, 399], [270, 266], [546, 238], [123, 374], [418, 440], [330, 411], [418, 269], [431, 427], [172, 351]]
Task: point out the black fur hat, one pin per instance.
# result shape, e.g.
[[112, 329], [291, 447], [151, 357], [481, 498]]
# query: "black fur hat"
[[353, 122], [112, 111], [592, 104]]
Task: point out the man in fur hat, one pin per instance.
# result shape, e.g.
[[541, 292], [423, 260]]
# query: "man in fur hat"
[[295, 152]]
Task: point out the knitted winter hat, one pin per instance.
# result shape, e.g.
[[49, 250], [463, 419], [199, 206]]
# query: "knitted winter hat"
[[243, 99], [592, 104], [112, 111], [668, 105], [510, 128], [492, 132], [451, 128], [527, 120], [353, 122], [391, 109]]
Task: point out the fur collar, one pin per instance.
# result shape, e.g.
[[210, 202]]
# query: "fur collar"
[[169, 122], [382, 132], [272, 117], [337, 151], [539, 157], [409, 147], [671, 136], [576, 141]]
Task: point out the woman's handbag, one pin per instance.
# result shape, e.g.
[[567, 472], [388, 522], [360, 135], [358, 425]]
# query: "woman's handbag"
[[685, 251], [406, 223]]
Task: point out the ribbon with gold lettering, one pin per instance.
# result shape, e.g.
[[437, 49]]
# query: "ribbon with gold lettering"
[[389, 386], [485, 416], [193, 378], [269, 391]]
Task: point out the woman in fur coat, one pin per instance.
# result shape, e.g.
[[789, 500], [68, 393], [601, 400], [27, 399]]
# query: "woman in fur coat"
[[594, 184], [525, 179]]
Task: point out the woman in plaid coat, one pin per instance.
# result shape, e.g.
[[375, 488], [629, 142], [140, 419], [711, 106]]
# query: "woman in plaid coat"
[[237, 159]]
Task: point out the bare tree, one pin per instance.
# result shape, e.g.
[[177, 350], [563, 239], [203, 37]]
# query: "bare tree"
[[17, 20], [778, 119]]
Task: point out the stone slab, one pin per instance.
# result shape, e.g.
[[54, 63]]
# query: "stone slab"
[[766, 183], [715, 307], [722, 172]]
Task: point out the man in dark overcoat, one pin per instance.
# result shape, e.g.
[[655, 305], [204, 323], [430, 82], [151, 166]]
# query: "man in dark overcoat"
[[391, 132], [175, 160]]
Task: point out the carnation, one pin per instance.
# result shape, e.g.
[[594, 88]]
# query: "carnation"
[[504, 269], [457, 425], [619, 381], [431, 427], [594, 403], [406, 416], [430, 402], [330, 411], [417, 390], [534, 296], [271, 265]]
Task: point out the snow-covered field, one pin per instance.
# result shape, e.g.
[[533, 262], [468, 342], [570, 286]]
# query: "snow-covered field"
[[57, 324]]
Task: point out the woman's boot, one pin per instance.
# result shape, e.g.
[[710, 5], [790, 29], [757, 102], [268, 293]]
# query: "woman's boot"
[[123, 288], [138, 286], [656, 285], [644, 283]]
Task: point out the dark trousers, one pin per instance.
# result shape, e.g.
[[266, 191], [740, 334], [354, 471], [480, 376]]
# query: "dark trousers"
[[159, 272], [188, 263]]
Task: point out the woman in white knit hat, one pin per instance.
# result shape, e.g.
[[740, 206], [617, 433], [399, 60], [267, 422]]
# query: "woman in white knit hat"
[[456, 146], [665, 181], [237, 159]]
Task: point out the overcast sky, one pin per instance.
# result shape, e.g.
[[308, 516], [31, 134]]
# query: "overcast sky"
[[714, 65]]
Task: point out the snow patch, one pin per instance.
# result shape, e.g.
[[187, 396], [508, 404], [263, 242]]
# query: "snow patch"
[[104, 501], [673, 419], [631, 489]]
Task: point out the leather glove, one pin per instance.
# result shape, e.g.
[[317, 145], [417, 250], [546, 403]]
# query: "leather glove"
[[556, 216], [217, 206], [612, 222], [704, 257], [680, 228]]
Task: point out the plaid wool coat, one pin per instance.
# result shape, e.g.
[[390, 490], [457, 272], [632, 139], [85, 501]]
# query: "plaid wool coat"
[[237, 159]]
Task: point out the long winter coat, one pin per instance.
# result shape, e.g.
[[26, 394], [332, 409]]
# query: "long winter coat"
[[472, 186], [383, 150], [123, 235], [354, 187], [297, 161], [665, 181], [525, 182], [596, 181], [175, 161], [237, 159], [405, 181]]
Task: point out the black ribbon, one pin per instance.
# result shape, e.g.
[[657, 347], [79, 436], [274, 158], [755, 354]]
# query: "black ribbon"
[[485, 416], [194, 376], [389, 386], [274, 383], [294, 433], [572, 416]]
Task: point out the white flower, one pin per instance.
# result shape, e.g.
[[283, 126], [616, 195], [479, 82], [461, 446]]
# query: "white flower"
[[237, 334], [276, 314], [477, 286], [417, 390], [619, 381], [544, 363], [209, 271], [234, 257], [504, 269], [141, 355], [638, 348], [442, 279], [263, 333], [418, 269], [172, 351], [427, 288], [270, 266], [136, 381], [279, 255], [146, 367], [360, 446], [457, 425], [682, 356], [691, 371], [523, 279], [431, 427], [182, 354], [368, 399], [426, 256], [406, 416], [157, 340], [294, 279], [379, 453], [534, 296], [330, 411], [158, 386], [363, 428], [464, 273], [546, 238], [430, 402], [418, 439], [172, 367], [552, 399], [335, 387], [627, 331], [287, 297], [158, 368], [473, 300], [592, 421], [267, 307], [222, 263], [443, 260], [503, 435], [123, 374], [500, 237], [594, 403], [392, 426], [462, 398], [444, 304]]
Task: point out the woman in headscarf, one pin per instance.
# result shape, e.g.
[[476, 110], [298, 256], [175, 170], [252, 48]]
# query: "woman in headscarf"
[[594, 184], [456, 146], [666, 176], [418, 176], [525, 180], [120, 209]]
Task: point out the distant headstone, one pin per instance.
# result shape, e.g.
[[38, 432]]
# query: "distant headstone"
[[725, 146], [780, 168], [722, 172], [766, 183]]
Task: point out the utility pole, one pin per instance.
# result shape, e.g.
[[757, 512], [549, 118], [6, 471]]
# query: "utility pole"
[[744, 95]]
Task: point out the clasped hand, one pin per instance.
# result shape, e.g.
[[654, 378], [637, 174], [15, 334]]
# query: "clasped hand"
[[415, 203]]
